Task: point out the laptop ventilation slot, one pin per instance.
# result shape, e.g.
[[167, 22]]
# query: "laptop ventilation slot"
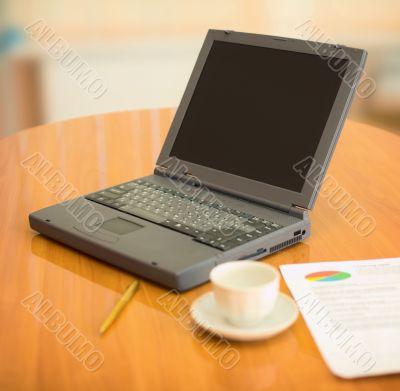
[[284, 244]]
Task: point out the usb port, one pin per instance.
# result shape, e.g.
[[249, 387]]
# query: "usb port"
[[297, 232]]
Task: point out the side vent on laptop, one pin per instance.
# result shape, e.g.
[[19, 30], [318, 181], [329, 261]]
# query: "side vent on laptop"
[[284, 244]]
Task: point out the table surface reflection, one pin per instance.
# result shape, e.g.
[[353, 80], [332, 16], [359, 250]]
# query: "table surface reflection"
[[147, 348]]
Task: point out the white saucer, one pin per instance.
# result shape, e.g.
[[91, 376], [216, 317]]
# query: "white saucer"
[[205, 312]]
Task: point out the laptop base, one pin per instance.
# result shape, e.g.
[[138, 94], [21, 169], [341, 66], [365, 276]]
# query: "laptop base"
[[157, 253]]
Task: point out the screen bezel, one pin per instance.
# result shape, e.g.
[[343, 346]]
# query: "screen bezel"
[[252, 188]]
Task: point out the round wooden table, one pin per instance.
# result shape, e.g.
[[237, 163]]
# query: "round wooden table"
[[148, 348]]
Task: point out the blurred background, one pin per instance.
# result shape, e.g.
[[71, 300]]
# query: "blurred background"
[[144, 51]]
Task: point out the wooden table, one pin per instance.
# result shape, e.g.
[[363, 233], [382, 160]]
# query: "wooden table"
[[147, 348]]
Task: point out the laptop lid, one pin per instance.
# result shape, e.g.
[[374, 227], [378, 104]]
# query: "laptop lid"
[[261, 115]]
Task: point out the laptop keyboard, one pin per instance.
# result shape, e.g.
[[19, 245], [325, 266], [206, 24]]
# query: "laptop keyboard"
[[209, 223]]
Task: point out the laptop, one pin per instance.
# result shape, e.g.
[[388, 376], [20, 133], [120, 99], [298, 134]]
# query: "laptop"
[[239, 170]]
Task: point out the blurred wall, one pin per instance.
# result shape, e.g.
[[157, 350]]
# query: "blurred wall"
[[145, 50]]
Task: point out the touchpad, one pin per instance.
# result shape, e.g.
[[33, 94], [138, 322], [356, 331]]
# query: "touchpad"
[[120, 226]]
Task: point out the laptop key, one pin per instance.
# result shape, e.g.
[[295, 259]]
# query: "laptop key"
[[210, 242], [144, 214], [183, 228], [118, 204], [107, 202], [225, 246], [101, 200], [116, 191], [254, 222], [108, 194], [259, 232], [207, 239], [244, 238], [247, 228]]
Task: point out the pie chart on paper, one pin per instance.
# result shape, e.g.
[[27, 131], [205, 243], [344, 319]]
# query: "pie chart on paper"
[[328, 275]]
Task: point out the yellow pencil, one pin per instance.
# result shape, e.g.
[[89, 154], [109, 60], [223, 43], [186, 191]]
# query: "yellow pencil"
[[122, 302]]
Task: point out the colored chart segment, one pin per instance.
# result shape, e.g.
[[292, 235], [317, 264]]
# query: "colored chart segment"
[[327, 275]]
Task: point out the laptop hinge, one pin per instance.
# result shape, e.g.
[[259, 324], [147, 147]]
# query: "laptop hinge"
[[297, 211], [186, 177]]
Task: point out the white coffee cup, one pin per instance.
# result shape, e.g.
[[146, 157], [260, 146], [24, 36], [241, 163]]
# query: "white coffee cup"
[[245, 291]]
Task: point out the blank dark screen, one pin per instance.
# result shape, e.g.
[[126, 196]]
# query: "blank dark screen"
[[256, 112]]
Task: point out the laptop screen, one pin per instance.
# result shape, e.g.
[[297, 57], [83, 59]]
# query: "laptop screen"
[[256, 112]]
